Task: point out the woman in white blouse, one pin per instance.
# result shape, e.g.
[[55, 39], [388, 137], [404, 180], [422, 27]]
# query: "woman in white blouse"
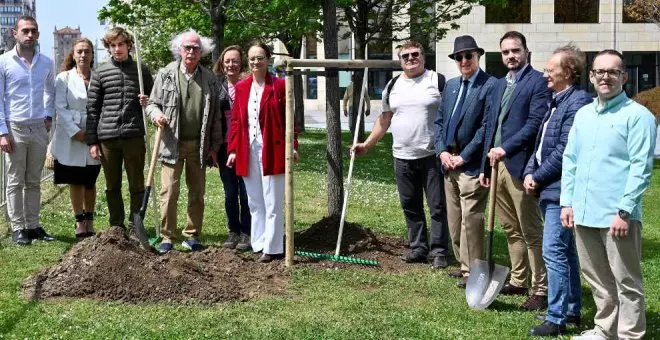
[[73, 164]]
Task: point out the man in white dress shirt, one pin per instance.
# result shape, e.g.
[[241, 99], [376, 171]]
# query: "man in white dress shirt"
[[26, 111]]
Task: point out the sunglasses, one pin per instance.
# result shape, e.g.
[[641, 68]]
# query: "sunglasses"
[[191, 48], [407, 56], [467, 56]]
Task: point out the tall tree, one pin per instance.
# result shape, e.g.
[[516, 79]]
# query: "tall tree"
[[373, 21], [333, 148]]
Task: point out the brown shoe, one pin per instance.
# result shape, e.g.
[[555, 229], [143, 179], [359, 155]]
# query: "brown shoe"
[[457, 273], [265, 258], [535, 302], [510, 289]]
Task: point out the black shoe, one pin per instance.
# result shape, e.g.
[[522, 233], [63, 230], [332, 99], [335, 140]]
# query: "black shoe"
[[439, 262], [39, 234], [509, 289], [572, 319], [456, 273], [265, 258], [20, 237], [535, 302], [547, 328], [462, 283], [413, 257]]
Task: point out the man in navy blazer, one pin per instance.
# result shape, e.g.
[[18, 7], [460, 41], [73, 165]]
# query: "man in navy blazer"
[[459, 145], [515, 110]]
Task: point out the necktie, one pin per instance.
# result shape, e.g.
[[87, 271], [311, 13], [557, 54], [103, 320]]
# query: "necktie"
[[456, 116]]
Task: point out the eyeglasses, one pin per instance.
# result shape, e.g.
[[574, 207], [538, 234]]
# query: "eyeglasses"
[[407, 56], [548, 70], [467, 56], [600, 73], [257, 58], [191, 48]]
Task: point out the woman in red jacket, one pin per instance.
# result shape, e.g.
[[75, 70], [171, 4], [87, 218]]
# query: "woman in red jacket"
[[256, 150]]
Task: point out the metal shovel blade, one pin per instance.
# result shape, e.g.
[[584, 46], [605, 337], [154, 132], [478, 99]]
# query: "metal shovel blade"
[[140, 232], [483, 285]]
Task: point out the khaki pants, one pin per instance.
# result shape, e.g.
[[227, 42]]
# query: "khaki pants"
[[170, 186], [466, 205], [24, 167], [521, 220], [130, 152], [612, 267]]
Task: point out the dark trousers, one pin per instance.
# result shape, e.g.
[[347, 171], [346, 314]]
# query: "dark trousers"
[[414, 178], [130, 153], [236, 200]]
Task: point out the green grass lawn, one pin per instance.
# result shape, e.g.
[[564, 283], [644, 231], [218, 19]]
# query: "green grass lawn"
[[353, 303]]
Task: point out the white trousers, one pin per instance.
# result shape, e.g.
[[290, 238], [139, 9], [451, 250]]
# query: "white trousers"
[[24, 167], [266, 201]]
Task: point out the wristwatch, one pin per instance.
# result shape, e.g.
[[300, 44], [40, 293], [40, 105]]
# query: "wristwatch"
[[624, 214]]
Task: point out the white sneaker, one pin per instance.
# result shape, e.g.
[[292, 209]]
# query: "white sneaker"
[[591, 334]]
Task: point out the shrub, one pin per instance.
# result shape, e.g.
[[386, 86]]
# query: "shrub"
[[650, 99]]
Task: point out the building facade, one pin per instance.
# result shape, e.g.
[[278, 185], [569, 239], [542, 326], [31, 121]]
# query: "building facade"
[[62, 42], [592, 25], [10, 11]]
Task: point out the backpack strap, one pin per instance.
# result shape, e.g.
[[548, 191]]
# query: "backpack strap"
[[441, 86], [441, 82]]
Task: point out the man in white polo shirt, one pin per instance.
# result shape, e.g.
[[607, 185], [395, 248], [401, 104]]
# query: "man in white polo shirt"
[[410, 103], [28, 92]]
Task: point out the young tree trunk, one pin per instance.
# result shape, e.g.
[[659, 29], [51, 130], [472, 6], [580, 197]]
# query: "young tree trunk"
[[218, 20], [332, 113]]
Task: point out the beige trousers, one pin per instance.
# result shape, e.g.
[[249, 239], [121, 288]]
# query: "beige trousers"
[[466, 205], [170, 186], [612, 267], [522, 222]]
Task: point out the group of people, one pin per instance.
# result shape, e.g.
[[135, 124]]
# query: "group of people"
[[207, 118], [572, 170]]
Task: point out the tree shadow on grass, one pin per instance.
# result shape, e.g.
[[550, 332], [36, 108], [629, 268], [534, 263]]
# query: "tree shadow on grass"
[[13, 318]]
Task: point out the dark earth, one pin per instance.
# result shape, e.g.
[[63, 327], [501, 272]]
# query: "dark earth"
[[111, 267]]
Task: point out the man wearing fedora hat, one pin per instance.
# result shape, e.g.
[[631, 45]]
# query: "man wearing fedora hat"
[[459, 146], [516, 108]]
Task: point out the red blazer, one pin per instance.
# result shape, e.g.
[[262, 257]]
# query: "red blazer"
[[272, 118]]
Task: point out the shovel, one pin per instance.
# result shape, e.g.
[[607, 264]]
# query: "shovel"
[[486, 278], [138, 218]]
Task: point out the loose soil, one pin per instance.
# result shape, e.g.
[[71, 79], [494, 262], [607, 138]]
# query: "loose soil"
[[111, 267]]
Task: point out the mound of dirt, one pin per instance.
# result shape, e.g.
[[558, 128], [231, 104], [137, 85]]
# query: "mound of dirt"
[[110, 267], [357, 241]]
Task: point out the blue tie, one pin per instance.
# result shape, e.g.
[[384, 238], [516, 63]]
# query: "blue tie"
[[453, 123]]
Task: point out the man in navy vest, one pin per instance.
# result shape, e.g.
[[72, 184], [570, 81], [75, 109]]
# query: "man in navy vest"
[[459, 146]]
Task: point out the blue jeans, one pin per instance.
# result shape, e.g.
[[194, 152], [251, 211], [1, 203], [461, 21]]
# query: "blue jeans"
[[238, 216], [561, 261]]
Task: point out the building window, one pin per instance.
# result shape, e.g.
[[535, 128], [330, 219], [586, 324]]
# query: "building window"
[[514, 12], [312, 80], [576, 11], [642, 68], [494, 65], [629, 18]]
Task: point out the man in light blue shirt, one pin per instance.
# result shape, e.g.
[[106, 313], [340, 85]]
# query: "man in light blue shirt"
[[606, 168], [26, 109]]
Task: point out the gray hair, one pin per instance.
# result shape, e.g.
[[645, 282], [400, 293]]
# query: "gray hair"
[[574, 60], [176, 43]]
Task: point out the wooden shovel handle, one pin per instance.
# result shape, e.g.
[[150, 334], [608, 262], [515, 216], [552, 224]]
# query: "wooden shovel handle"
[[154, 156], [492, 195]]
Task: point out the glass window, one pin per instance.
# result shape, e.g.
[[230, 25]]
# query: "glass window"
[[514, 12], [630, 18], [642, 71], [576, 11], [494, 65], [311, 80]]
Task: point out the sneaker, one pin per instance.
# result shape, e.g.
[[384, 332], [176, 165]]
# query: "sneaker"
[[547, 328], [39, 234], [232, 240], [244, 242], [535, 302], [413, 257], [576, 320], [20, 237], [192, 245], [591, 334], [165, 247]]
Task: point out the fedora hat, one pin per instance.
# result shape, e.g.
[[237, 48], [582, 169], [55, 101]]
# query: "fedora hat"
[[465, 43]]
